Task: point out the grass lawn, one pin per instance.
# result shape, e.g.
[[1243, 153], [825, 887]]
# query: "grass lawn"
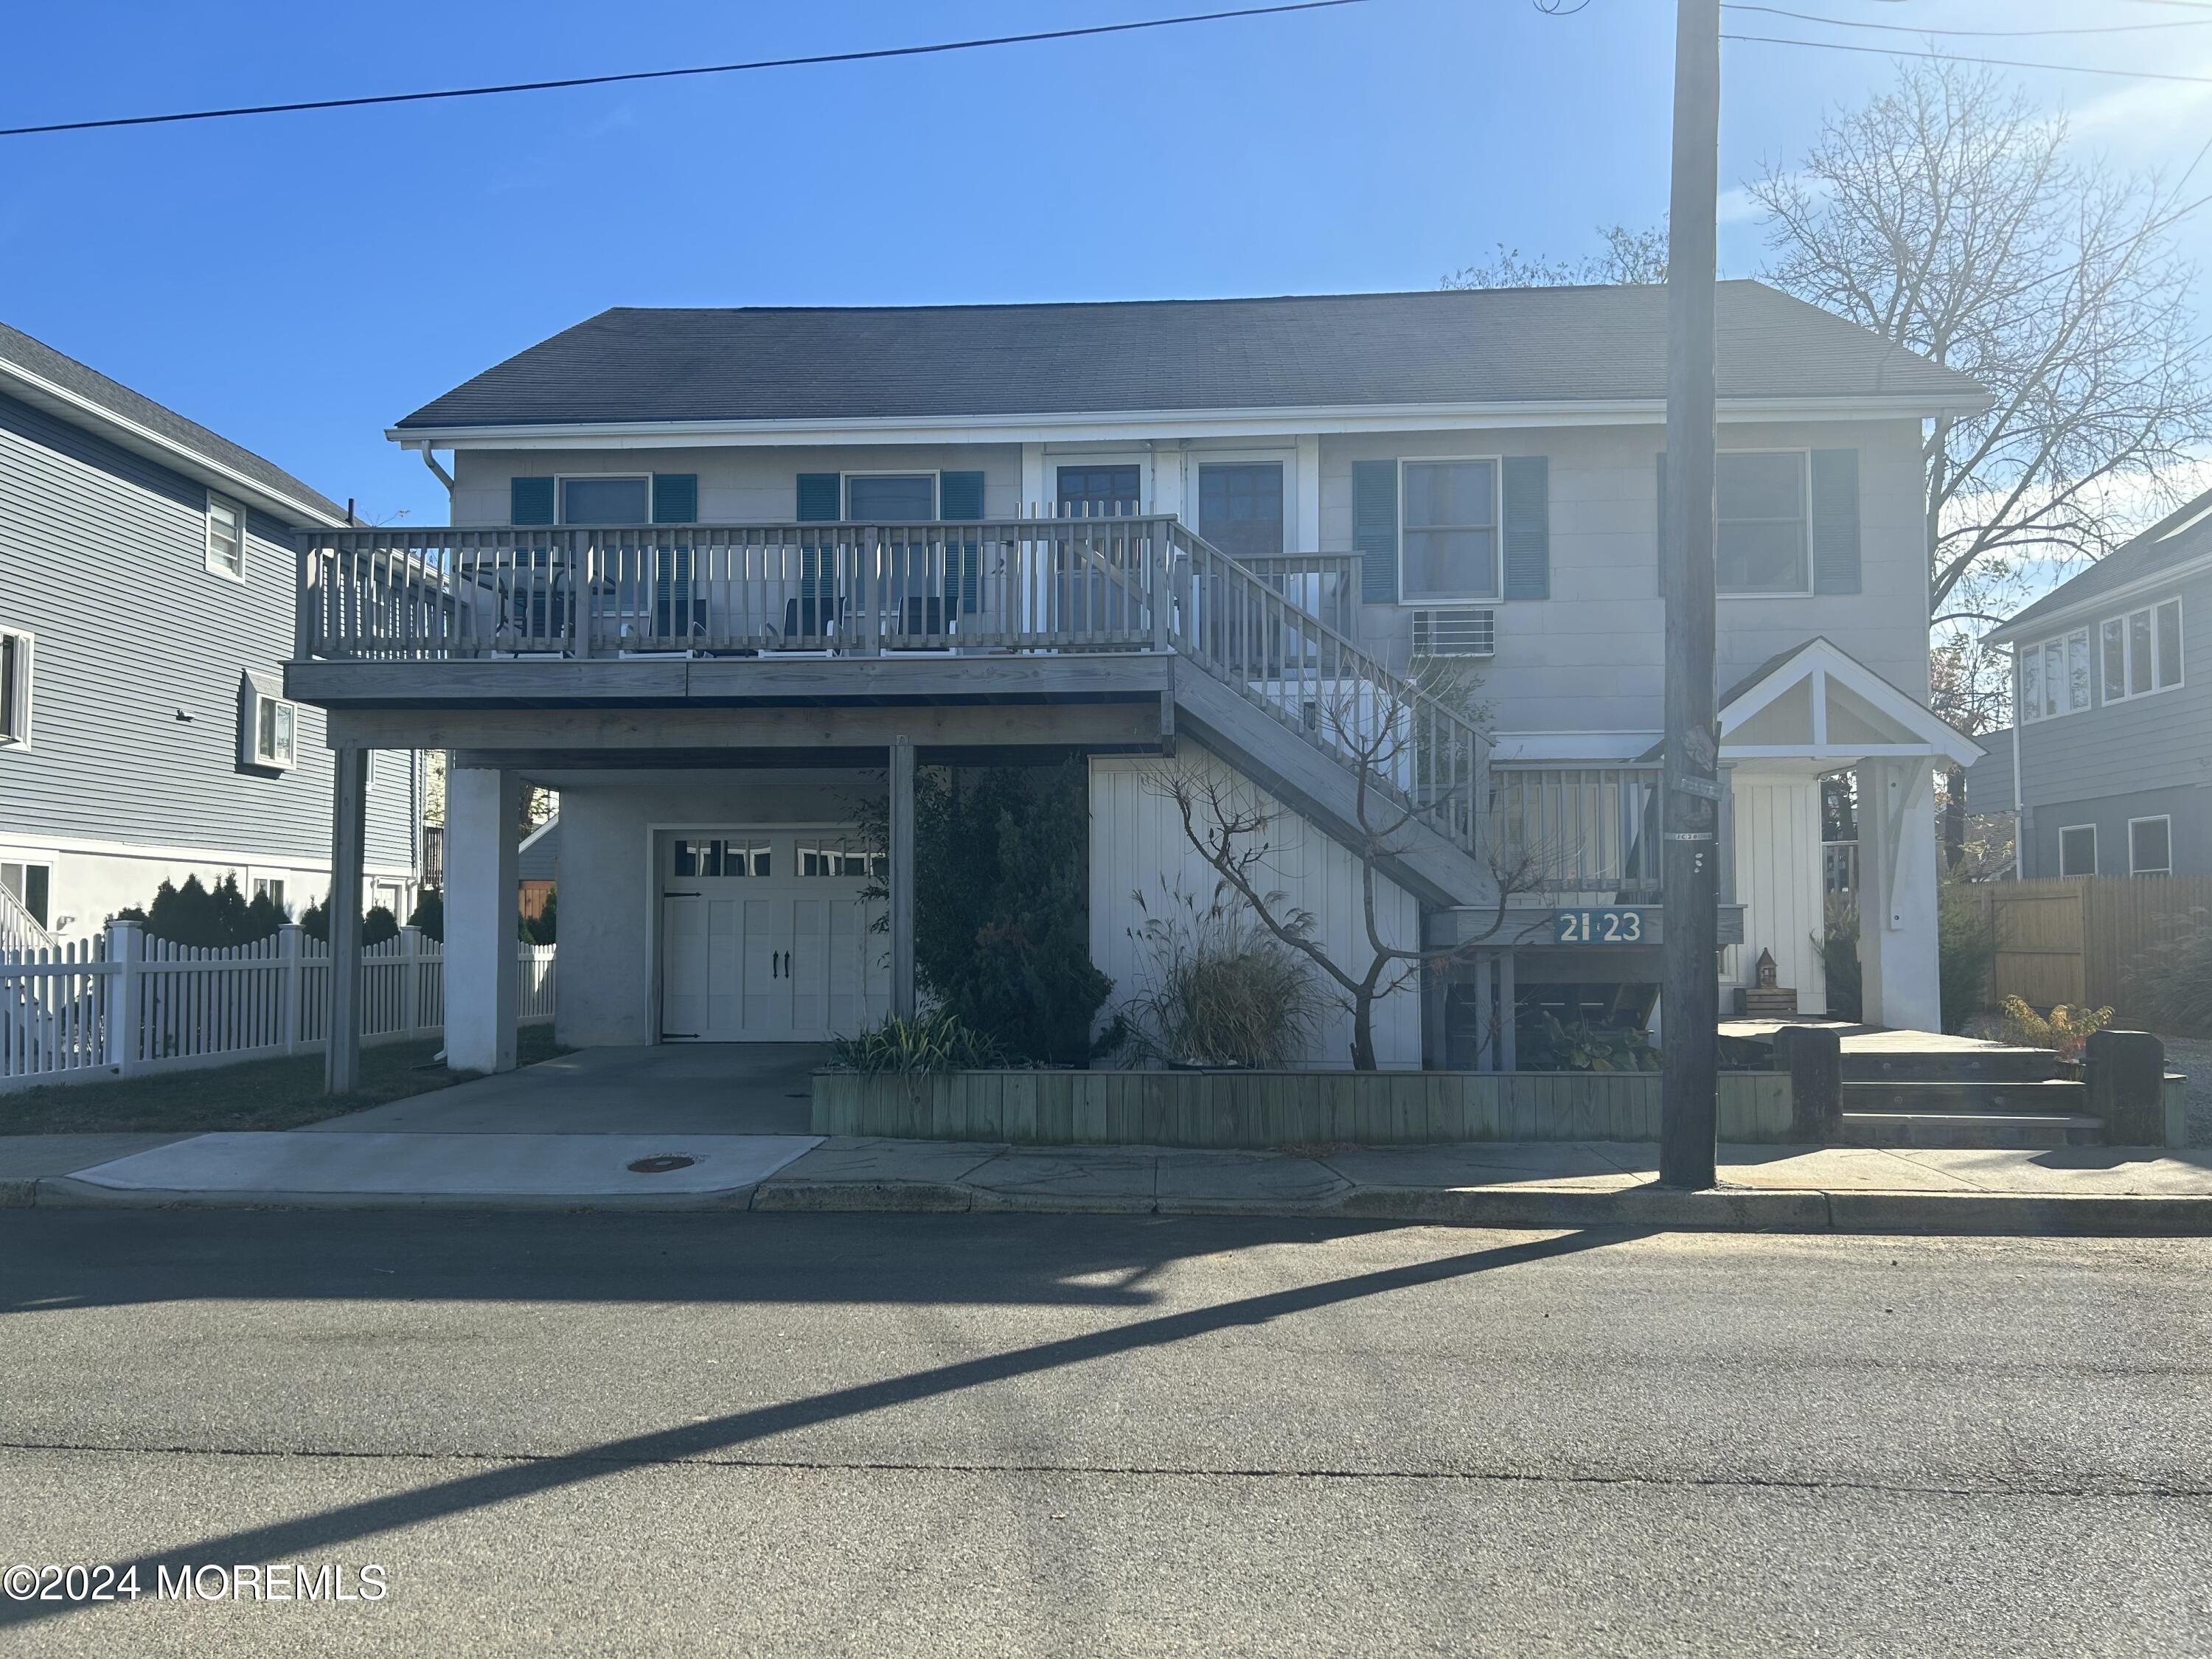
[[261, 1094]]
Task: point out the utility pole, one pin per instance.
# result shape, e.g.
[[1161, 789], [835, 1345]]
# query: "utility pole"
[[1690, 1057]]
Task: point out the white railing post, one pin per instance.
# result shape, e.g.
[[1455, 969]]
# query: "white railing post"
[[291, 987], [126, 951]]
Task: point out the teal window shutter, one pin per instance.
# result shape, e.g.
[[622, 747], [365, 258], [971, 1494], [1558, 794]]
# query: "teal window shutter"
[[1527, 527], [960, 501], [530, 500], [821, 501], [1375, 529], [1835, 521], [675, 498]]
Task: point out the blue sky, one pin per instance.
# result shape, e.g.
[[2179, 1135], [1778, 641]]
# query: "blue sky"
[[299, 281]]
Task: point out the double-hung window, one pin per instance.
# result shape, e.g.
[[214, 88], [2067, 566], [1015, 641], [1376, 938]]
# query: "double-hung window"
[[32, 886], [15, 687], [1762, 540], [1448, 535], [891, 498], [2150, 847], [606, 500], [2143, 651], [2077, 850], [226, 537], [270, 737], [2054, 677]]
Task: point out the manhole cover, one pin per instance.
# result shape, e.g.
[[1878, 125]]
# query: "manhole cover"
[[662, 1165]]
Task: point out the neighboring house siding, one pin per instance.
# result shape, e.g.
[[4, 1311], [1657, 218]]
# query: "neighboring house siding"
[[1989, 780], [2112, 749], [2188, 807], [102, 557]]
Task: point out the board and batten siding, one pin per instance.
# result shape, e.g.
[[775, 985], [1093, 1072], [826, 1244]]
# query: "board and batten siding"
[[1138, 845], [140, 652], [2156, 743], [1781, 882]]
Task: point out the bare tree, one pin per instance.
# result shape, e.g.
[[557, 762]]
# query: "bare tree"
[[1631, 256], [1391, 751]]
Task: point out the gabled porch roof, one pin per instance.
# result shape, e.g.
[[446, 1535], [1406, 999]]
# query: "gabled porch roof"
[[1817, 702]]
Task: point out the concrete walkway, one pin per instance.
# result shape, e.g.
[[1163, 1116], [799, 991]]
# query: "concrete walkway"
[[1531, 1184]]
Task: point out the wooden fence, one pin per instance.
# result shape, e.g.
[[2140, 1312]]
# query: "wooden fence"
[[123, 1003], [1277, 1109], [2073, 939]]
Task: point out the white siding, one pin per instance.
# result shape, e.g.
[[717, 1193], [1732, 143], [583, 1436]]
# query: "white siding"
[[1778, 879], [1138, 845]]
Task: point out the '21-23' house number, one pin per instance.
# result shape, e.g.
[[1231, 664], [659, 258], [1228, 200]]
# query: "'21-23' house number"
[[1598, 928]]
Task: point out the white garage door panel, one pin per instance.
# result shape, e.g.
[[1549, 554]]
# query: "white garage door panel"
[[788, 957]]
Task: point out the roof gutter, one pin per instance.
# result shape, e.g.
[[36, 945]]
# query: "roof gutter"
[[156, 446], [1125, 425], [2089, 605]]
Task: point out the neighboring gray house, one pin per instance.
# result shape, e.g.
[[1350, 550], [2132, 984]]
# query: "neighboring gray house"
[[147, 599], [2108, 771], [714, 573]]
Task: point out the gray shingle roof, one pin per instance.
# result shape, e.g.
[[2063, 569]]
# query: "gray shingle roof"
[[42, 360], [1499, 345], [2181, 535]]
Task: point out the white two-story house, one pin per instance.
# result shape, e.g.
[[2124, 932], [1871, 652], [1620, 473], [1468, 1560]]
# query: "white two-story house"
[[712, 572]]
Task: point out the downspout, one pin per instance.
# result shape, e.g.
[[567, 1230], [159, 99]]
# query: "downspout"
[[430, 460], [2019, 818]]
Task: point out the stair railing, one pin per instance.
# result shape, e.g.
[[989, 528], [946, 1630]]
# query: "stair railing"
[[1409, 739]]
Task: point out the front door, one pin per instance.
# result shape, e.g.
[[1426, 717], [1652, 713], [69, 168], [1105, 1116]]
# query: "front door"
[[766, 938]]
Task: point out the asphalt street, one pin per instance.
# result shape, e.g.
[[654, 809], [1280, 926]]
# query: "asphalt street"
[[560, 1434]]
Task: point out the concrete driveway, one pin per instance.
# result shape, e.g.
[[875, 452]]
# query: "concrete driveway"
[[688, 1088]]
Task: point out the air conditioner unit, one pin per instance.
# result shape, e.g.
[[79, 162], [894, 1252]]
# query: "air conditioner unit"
[[1469, 632]]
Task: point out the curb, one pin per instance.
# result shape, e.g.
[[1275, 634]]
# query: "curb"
[[1737, 1209]]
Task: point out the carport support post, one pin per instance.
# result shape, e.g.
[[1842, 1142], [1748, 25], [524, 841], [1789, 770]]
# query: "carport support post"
[[348, 853], [901, 881], [482, 808]]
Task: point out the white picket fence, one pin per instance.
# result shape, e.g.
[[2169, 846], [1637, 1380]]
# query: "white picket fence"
[[122, 1003]]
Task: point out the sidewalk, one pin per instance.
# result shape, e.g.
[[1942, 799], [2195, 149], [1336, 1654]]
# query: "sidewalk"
[[2085, 1189]]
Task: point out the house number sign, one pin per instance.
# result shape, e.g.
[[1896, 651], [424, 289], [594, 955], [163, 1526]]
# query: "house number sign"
[[1608, 926]]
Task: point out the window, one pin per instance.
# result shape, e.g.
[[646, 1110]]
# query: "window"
[[1099, 492], [890, 497], [720, 857], [2077, 850], [2054, 677], [226, 537], [15, 687], [2150, 847], [272, 889], [1761, 543], [275, 731], [1240, 508], [1448, 539], [606, 500], [843, 861], [2143, 651], [32, 885]]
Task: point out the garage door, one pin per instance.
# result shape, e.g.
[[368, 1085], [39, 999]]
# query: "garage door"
[[765, 937]]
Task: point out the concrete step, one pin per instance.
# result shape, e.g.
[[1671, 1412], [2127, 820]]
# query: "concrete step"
[[1952, 1065], [1972, 1129], [2050, 1095]]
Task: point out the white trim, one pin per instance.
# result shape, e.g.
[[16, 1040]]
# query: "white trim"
[[1833, 663], [26, 659], [1114, 427], [144, 441], [1195, 461], [2066, 830], [2128, 650], [2166, 818], [2041, 648], [253, 697], [207, 543], [2089, 606], [93, 847], [1804, 525], [1497, 594], [1142, 460]]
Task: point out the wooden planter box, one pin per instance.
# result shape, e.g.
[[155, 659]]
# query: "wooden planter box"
[[1259, 1110]]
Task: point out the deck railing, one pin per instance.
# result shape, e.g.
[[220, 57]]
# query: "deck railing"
[[1587, 834], [611, 591]]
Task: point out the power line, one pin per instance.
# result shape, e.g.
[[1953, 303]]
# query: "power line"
[[1927, 29], [1955, 57], [673, 74]]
